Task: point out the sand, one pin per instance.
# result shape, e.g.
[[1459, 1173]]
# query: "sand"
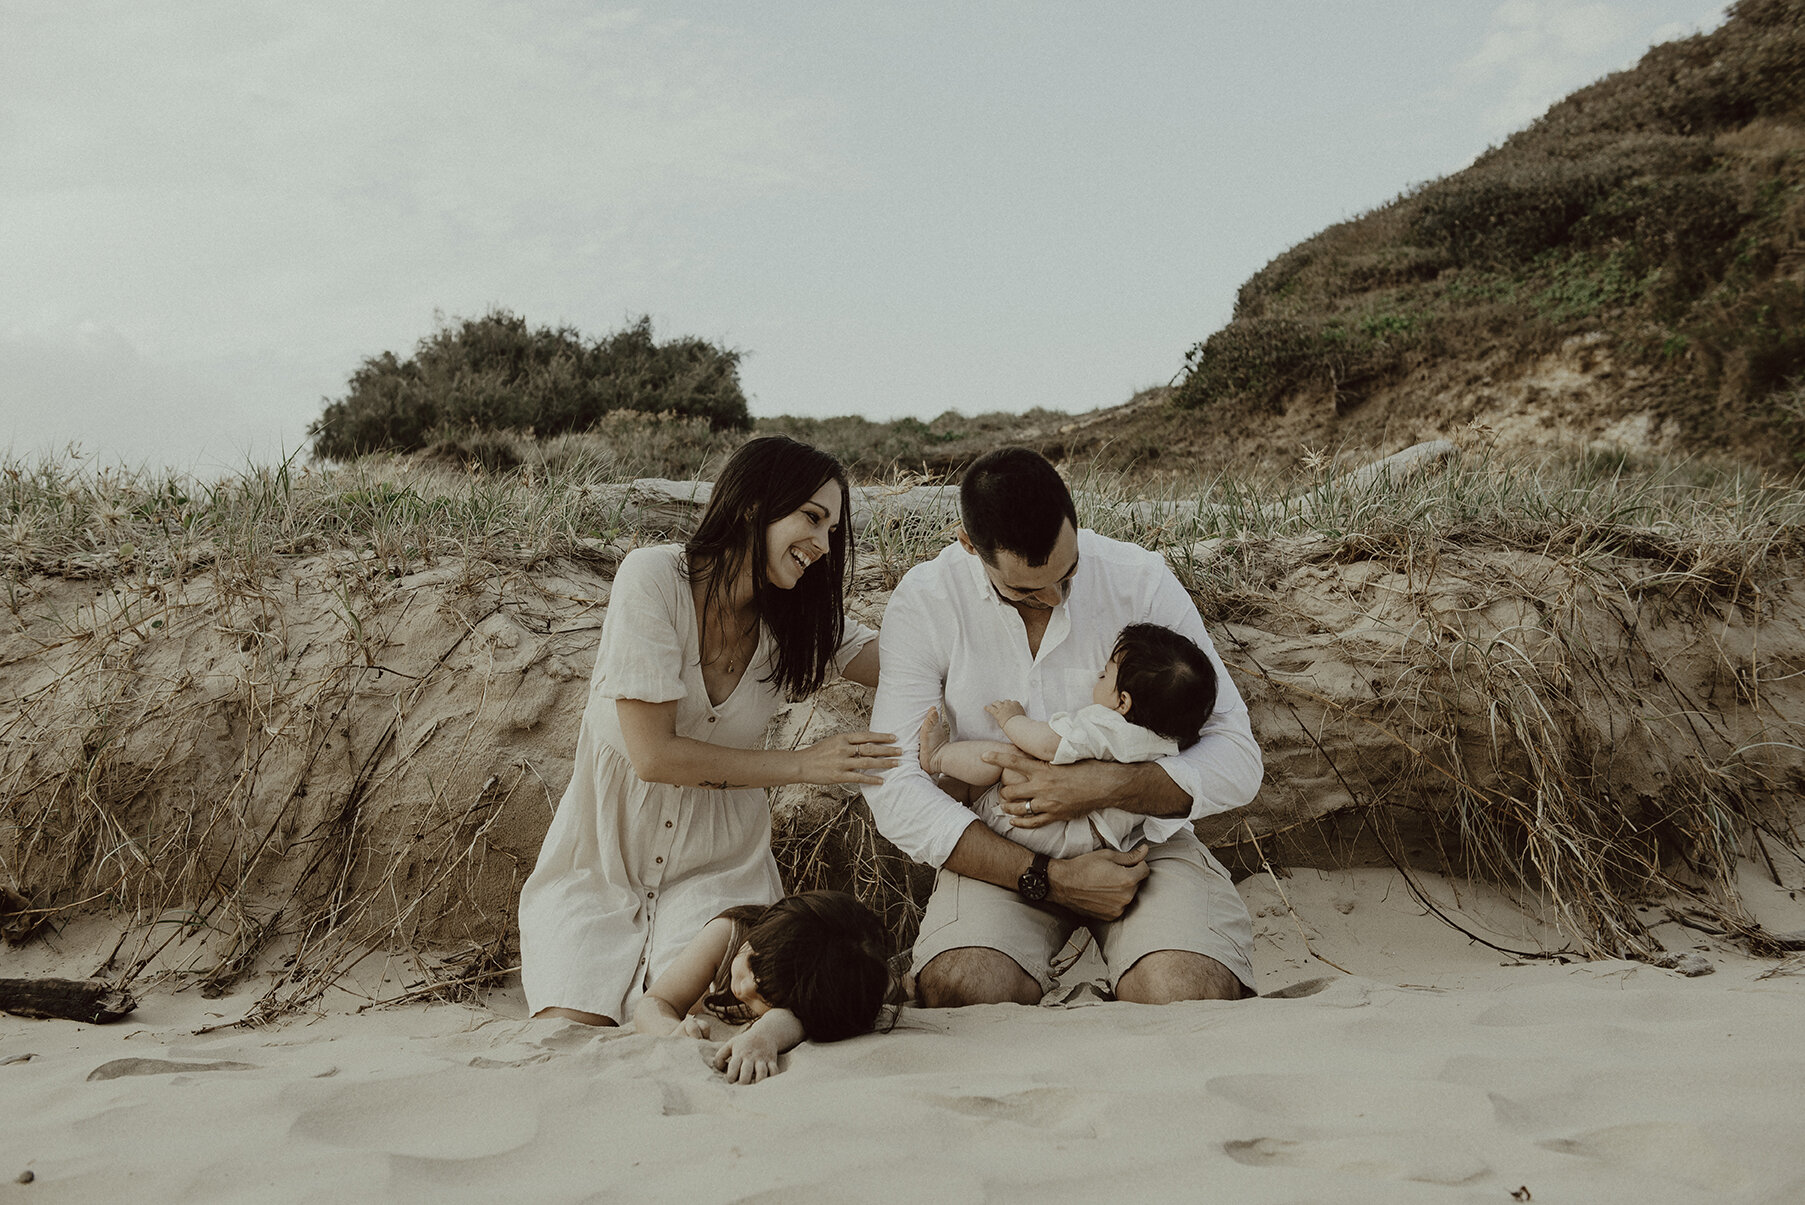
[[1436, 1070]]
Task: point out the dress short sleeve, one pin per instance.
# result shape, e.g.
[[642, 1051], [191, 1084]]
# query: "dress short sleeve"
[[852, 643], [646, 630]]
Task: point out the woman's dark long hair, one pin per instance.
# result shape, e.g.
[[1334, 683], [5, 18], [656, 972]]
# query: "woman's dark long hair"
[[768, 479], [820, 954]]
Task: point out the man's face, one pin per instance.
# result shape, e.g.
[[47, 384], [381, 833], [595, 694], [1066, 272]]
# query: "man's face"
[[1036, 588]]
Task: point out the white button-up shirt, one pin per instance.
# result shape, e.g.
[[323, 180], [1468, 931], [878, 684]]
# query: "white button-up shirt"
[[949, 640]]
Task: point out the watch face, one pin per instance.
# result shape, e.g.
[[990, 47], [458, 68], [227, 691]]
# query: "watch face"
[[1033, 884]]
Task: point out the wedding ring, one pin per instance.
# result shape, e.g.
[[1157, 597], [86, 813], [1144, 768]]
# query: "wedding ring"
[[1028, 808]]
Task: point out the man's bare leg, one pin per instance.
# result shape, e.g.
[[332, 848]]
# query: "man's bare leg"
[[573, 1014], [975, 975], [1165, 976]]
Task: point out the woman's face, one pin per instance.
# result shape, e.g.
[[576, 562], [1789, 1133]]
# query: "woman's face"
[[800, 538], [744, 984]]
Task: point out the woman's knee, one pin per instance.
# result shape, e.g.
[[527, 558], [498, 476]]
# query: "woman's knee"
[[975, 975]]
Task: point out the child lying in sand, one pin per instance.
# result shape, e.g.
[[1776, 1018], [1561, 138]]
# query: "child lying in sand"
[[809, 966], [1150, 701]]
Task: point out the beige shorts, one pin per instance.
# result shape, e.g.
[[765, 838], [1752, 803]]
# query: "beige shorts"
[[1186, 902]]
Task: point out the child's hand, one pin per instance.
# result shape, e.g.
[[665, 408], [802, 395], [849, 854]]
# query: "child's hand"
[[1004, 710], [747, 1058], [695, 1026]]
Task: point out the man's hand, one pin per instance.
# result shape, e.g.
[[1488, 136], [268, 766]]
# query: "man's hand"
[[1101, 883], [1037, 793]]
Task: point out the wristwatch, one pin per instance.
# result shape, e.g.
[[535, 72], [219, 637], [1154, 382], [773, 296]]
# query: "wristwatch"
[[1034, 884]]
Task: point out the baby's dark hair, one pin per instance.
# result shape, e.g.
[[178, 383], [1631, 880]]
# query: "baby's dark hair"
[[819, 954], [1171, 685]]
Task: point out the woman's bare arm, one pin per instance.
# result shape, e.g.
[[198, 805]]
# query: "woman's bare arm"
[[658, 754]]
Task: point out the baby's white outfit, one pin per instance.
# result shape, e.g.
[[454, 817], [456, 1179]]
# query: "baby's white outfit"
[[1091, 732]]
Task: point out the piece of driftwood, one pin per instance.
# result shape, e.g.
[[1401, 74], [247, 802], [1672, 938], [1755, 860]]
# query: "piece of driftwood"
[[90, 1000]]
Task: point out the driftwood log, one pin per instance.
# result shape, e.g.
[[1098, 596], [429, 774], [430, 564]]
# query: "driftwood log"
[[90, 1000]]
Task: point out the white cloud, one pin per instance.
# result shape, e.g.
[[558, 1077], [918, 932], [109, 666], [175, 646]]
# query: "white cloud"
[[1537, 51]]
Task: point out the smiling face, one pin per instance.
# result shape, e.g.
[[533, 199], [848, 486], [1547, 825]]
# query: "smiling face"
[[801, 538], [744, 984]]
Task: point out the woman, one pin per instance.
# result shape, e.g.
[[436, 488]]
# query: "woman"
[[664, 823]]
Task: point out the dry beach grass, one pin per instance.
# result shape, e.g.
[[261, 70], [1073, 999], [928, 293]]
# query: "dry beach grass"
[[277, 722]]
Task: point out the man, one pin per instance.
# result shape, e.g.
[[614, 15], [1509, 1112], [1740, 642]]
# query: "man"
[[1027, 606]]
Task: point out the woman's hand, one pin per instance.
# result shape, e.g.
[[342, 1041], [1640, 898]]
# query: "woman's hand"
[[696, 1026], [848, 757]]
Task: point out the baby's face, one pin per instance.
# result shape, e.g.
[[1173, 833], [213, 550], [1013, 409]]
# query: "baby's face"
[[1105, 692]]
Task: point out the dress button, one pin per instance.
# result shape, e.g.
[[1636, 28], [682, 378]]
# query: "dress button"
[[711, 719], [667, 824], [658, 861], [651, 895]]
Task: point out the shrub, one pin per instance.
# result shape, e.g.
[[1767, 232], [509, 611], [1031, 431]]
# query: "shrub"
[[496, 373]]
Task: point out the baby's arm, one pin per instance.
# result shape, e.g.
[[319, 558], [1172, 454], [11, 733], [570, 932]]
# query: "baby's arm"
[[663, 1008], [1033, 737]]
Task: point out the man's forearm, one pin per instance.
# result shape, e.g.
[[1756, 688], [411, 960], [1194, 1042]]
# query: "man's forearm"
[[981, 854], [1147, 790]]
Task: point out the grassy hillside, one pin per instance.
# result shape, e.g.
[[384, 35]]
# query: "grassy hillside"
[[1656, 217]]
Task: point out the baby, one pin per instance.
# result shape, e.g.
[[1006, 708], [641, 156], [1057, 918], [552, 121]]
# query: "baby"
[[1150, 701]]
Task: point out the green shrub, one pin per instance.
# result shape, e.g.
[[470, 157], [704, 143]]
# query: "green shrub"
[[496, 373]]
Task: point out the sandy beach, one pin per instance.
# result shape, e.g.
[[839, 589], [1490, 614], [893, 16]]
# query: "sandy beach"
[[1436, 1070]]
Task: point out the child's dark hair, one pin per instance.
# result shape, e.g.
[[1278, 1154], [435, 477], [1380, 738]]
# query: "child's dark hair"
[[767, 479], [819, 954], [1171, 685]]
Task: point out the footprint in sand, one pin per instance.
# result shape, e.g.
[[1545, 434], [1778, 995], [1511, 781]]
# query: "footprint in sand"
[[1425, 1158], [1044, 1110], [1686, 1153], [1384, 1129], [123, 1067], [420, 1116]]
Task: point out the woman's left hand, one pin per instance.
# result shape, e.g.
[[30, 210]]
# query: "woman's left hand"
[[848, 757]]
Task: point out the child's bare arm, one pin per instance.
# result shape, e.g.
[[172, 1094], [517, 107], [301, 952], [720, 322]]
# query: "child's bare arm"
[[750, 1056], [662, 1009], [1035, 737]]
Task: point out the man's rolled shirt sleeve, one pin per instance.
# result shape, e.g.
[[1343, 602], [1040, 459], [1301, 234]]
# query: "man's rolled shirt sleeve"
[[1223, 770]]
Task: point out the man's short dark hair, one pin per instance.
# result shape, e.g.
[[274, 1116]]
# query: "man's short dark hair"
[[1171, 685], [1012, 500]]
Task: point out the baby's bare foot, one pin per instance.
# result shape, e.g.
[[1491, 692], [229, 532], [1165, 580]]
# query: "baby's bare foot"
[[933, 739]]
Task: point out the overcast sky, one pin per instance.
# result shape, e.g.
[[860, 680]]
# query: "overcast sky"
[[211, 211]]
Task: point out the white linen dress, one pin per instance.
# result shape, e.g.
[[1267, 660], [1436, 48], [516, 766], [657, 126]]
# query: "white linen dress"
[[630, 870]]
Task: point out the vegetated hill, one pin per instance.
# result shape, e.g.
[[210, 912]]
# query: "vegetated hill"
[[1630, 268]]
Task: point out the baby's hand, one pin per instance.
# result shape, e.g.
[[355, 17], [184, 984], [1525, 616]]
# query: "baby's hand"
[[1004, 710], [695, 1026]]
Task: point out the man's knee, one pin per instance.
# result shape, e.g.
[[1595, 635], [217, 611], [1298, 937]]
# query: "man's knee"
[[1167, 976], [974, 975]]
